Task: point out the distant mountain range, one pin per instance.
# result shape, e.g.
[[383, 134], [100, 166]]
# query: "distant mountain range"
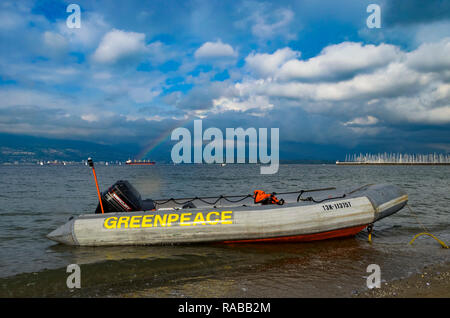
[[22, 148], [31, 149]]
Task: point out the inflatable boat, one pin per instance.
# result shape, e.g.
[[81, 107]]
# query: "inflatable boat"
[[296, 216]]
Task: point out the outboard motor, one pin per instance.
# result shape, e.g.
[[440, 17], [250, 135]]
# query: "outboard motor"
[[123, 197]]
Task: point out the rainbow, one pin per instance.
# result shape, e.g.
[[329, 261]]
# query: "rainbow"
[[165, 136]]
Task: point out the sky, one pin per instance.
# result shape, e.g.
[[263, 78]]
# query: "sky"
[[136, 70]]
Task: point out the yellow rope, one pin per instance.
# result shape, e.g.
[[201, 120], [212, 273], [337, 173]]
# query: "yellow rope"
[[370, 229], [426, 231], [429, 234]]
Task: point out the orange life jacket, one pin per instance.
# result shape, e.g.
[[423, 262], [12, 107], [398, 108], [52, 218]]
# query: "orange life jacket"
[[265, 198]]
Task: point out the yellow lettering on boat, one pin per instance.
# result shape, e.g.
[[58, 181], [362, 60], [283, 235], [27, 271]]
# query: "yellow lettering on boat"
[[172, 218], [135, 221], [199, 219], [226, 215], [215, 221], [185, 219], [162, 220], [167, 220], [123, 220], [110, 223], [147, 221]]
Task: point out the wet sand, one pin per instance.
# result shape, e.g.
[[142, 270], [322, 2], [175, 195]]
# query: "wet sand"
[[432, 282]]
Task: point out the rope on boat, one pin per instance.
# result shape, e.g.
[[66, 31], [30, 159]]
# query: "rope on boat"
[[426, 232], [370, 230], [299, 198], [241, 197], [202, 199]]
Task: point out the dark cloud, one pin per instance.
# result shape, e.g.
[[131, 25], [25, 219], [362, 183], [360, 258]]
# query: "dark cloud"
[[201, 97], [404, 12]]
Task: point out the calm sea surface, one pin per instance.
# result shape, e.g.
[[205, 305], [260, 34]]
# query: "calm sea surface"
[[34, 200]]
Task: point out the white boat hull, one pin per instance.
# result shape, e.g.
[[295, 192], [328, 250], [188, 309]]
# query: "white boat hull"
[[295, 221]]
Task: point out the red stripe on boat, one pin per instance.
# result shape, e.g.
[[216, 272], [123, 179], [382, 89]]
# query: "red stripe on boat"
[[351, 231]]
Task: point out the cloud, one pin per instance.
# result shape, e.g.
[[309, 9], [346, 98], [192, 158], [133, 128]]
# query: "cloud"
[[200, 98], [364, 89], [263, 29], [333, 63], [260, 105], [14, 97], [46, 72], [214, 50], [360, 85], [118, 44], [415, 11], [432, 32], [86, 38], [266, 22], [362, 121], [55, 41], [56, 44], [432, 57], [142, 94], [10, 20], [439, 115], [265, 65], [90, 117], [340, 60], [410, 23], [393, 80], [158, 52]]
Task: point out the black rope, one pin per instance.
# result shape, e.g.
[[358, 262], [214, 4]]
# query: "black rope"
[[299, 198], [242, 197], [188, 200]]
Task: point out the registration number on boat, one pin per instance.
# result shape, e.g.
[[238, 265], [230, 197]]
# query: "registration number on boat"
[[336, 206]]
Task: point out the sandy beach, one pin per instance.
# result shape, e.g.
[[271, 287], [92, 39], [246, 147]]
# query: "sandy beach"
[[432, 282]]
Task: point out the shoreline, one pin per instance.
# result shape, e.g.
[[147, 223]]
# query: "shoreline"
[[432, 281]]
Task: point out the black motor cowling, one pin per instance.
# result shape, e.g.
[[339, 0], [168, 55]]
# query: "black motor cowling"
[[123, 197]]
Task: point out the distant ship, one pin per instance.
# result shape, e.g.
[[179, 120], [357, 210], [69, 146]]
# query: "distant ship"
[[140, 162]]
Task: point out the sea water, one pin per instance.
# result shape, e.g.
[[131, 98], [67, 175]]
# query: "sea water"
[[35, 200]]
